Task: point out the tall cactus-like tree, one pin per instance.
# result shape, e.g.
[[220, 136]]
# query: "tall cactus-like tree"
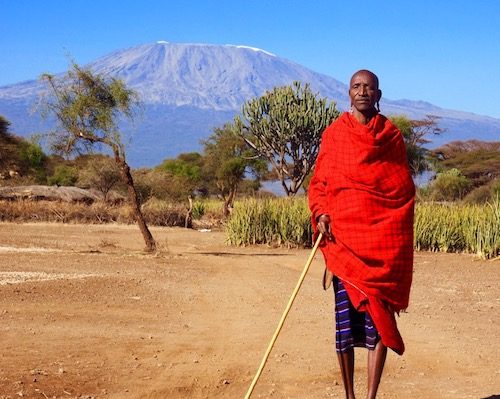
[[284, 126], [87, 106]]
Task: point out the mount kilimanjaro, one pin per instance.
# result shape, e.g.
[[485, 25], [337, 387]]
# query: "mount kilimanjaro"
[[188, 89]]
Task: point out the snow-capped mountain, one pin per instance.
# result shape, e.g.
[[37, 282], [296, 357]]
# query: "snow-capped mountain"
[[188, 89], [213, 77]]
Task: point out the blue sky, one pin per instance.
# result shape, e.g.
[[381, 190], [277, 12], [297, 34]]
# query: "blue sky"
[[443, 52]]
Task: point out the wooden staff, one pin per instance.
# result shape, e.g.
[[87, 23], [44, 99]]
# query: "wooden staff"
[[283, 317]]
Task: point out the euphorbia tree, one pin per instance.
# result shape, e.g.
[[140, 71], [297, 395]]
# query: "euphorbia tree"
[[284, 126]]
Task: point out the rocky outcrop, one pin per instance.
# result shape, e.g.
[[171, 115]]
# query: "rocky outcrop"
[[56, 193]]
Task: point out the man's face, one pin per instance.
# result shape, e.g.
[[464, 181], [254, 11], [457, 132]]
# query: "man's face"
[[364, 91]]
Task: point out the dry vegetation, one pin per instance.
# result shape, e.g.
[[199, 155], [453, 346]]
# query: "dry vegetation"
[[156, 214], [451, 227]]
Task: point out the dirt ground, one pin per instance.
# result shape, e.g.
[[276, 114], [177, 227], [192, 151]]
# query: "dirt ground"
[[84, 313]]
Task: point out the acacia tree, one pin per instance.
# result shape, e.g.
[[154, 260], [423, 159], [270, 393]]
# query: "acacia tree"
[[478, 160], [184, 173], [416, 135], [87, 107], [226, 161], [284, 126]]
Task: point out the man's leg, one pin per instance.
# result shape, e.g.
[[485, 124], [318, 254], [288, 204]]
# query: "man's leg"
[[346, 361], [376, 361]]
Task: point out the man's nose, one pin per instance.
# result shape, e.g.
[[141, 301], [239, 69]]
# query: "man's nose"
[[362, 90]]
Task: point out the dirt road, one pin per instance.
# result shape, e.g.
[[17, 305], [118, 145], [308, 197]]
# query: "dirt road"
[[85, 314]]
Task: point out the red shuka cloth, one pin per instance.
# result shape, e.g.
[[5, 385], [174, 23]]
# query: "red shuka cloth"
[[363, 182]]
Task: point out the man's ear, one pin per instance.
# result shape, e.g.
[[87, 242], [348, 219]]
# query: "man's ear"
[[379, 94]]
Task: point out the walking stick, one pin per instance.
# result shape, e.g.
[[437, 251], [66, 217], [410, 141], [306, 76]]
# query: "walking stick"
[[283, 317]]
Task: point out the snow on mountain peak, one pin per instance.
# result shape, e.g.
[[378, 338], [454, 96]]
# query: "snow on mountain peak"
[[187, 89], [252, 48]]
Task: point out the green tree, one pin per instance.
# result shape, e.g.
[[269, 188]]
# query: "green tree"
[[24, 157], [185, 173], [227, 160], [450, 185], [284, 126], [33, 159], [63, 175], [479, 161], [31, 154], [416, 135], [87, 107], [186, 165], [8, 146]]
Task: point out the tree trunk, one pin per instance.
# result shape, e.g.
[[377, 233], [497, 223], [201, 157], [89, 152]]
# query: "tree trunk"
[[188, 222], [285, 187], [134, 203], [228, 202]]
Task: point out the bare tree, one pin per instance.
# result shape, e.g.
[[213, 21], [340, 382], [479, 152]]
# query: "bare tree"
[[101, 173]]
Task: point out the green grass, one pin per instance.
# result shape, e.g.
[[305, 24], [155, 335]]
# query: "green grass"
[[451, 227], [280, 221], [459, 228]]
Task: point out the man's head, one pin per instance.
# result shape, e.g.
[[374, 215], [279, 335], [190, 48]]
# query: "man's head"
[[364, 91]]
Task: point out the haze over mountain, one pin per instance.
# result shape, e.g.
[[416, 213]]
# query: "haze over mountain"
[[188, 89]]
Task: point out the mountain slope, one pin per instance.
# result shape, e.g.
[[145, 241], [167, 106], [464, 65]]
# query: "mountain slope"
[[205, 76], [188, 89]]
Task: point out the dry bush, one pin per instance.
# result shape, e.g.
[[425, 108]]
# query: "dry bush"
[[56, 211], [163, 213], [157, 213]]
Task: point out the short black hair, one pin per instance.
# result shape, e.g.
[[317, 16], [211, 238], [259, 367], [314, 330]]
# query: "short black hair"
[[375, 77]]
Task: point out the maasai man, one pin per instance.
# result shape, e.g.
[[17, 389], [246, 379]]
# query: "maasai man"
[[362, 199]]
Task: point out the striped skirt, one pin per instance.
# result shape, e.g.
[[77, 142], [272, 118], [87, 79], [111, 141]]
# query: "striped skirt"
[[353, 328]]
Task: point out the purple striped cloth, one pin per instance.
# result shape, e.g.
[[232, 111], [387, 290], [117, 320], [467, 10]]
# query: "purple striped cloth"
[[353, 328]]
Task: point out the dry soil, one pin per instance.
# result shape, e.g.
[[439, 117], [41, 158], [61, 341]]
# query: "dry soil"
[[84, 313]]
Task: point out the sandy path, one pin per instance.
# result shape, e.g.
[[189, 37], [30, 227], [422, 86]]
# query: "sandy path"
[[85, 314]]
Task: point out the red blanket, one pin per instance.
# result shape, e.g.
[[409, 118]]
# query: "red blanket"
[[362, 181]]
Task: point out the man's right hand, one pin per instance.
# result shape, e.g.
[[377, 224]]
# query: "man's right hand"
[[324, 227]]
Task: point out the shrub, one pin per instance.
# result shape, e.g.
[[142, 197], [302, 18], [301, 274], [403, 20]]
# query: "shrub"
[[198, 209], [479, 195], [482, 194], [64, 176], [449, 186], [156, 212], [159, 184], [101, 174], [163, 213]]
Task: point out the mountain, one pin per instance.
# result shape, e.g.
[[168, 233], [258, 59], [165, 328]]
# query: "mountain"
[[188, 89]]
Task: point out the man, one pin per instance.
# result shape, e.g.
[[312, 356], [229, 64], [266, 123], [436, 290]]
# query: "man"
[[362, 197]]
